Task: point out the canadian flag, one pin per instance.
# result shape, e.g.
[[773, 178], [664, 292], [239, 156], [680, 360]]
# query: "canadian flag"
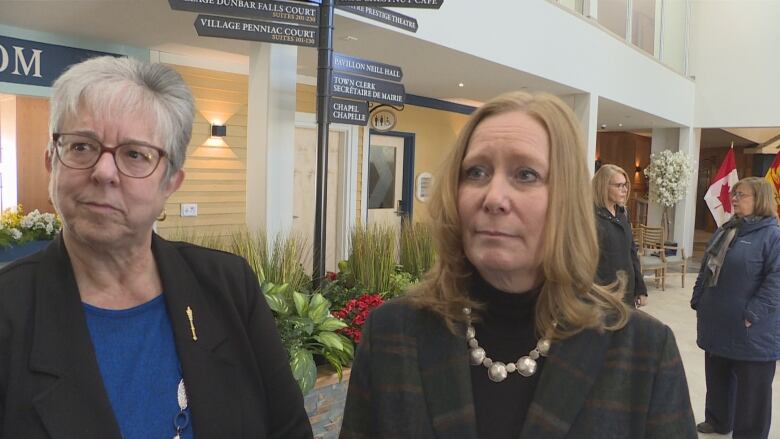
[[718, 196]]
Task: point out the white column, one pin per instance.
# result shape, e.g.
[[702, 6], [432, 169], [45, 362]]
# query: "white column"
[[586, 107], [663, 138], [8, 172], [591, 9], [270, 157], [685, 211]]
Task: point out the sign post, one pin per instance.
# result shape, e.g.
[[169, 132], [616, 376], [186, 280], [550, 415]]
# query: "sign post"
[[324, 78], [311, 25]]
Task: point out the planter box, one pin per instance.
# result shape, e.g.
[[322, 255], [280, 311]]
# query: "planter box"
[[16, 252], [325, 404]]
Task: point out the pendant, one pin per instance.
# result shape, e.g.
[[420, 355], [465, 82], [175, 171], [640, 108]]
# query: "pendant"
[[477, 356], [497, 372], [526, 366]]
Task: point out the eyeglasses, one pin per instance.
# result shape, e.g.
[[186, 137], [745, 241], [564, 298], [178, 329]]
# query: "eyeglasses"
[[740, 195], [135, 160], [619, 185]]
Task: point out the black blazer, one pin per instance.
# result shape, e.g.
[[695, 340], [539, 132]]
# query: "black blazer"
[[237, 374], [617, 252]]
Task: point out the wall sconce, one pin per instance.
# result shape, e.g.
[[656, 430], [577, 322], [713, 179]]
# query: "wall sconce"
[[638, 169], [218, 130]]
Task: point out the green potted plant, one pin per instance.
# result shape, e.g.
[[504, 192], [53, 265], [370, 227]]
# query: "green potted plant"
[[307, 330]]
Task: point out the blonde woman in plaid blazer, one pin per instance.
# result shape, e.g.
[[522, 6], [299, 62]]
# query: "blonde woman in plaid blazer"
[[515, 232]]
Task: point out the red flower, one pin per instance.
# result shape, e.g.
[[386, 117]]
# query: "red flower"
[[355, 313], [331, 276]]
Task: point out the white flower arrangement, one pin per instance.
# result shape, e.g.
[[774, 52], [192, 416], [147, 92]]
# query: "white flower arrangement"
[[17, 229], [669, 174]]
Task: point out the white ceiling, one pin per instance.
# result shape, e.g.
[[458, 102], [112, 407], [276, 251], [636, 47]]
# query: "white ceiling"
[[429, 70]]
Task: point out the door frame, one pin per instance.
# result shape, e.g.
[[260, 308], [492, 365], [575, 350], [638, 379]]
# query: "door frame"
[[407, 184], [347, 184]]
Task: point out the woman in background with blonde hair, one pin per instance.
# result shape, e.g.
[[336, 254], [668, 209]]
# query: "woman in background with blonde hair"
[[509, 336], [617, 251]]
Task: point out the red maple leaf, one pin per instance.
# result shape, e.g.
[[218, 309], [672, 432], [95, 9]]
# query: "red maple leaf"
[[725, 197]]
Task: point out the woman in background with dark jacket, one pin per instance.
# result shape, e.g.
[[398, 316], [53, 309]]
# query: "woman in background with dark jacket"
[[617, 251], [736, 297]]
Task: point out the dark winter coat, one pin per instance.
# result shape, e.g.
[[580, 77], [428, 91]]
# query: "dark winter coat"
[[617, 252], [748, 289]]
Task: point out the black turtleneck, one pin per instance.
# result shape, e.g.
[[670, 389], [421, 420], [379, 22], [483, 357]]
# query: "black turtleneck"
[[506, 332]]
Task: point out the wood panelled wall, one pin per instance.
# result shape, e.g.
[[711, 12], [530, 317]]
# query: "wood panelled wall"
[[306, 102], [32, 136], [627, 150], [216, 168]]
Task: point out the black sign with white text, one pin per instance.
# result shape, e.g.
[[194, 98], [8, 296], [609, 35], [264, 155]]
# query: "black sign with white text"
[[386, 16], [348, 112], [266, 32], [374, 90], [425, 4], [286, 12], [367, 68]]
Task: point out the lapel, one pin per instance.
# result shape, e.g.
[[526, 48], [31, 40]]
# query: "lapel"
[[567, 377], [70, 398], [446, 380], [207, 364]]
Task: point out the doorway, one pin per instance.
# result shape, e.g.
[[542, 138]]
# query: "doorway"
[[389, 179]]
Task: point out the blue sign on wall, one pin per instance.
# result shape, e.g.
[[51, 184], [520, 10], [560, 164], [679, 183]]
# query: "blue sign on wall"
[[34, 63]]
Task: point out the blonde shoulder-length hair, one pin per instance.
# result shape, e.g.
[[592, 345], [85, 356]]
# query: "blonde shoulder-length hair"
[[569, 301], [601, 184]]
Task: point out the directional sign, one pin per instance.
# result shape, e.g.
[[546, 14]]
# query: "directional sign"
[[426, 4], [375, 90], [386, 16], [299, 13], [349, 112], [239, 29], [367, 68]]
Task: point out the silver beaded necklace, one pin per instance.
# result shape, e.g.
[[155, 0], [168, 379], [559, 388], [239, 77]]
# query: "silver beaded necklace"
[[498, 371]]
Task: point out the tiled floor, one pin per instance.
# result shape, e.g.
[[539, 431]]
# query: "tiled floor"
[[672, 308]]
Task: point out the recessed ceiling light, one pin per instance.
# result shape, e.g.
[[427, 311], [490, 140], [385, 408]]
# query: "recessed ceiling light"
[[460, 84], [620, 124]]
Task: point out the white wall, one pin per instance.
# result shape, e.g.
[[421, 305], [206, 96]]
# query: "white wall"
[[546, 40], [735, 60]]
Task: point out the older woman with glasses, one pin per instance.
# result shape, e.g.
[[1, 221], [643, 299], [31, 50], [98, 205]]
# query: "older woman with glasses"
[[617, 251], [737, 301], [111, 331]]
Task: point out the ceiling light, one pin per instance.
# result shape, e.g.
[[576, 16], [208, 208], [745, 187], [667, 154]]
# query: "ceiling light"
[[620, 124], [460, 84]]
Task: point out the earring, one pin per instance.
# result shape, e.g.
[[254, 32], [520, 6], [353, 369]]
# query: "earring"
[[162, 216]]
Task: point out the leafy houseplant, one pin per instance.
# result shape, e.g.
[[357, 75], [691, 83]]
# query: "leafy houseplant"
[[669, 175], [307, 329]]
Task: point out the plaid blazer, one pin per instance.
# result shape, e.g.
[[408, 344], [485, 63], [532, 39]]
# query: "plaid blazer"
[[411, 379]]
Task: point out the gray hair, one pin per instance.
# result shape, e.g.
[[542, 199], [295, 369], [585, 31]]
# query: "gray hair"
[[104, 83]]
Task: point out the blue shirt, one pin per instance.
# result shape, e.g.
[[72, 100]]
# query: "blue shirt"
[[137, 358]]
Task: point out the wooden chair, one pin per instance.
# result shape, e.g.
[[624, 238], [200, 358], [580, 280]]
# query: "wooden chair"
[[652, 255], [637, 235], [678, 259]]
